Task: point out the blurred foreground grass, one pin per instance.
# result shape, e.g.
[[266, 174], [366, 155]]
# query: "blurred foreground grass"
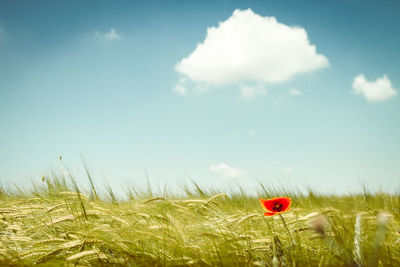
[[56, 223]]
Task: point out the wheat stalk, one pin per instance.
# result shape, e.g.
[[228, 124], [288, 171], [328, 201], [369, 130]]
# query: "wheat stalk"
[[61, 219], [81, 255]]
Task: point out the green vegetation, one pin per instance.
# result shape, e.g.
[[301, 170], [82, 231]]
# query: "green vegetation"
[[58, 224]]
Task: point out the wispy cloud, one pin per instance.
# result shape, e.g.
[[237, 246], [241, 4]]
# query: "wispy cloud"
[[252, 132], [261, 50], [226, 171], [295, 92], [180, 87], [109, 36], [183, 85], [112, 35], [379, 90]]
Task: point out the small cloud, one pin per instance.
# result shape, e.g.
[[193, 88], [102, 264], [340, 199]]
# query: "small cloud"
[[295, 92], [109, 36], [183, 84], [226, 171], [180, 88], [260, 50], [112, 35], [379, 90], [252, 132], [248, 93]]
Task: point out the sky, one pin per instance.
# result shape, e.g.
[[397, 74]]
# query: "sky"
[[297, 93]]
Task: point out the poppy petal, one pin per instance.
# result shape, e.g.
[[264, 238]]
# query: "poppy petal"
[[285, 201], [276, 205], [264, 206], [268, 213], [269, 205]]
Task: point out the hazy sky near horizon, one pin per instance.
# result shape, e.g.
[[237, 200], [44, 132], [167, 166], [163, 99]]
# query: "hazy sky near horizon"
[[300, 92]]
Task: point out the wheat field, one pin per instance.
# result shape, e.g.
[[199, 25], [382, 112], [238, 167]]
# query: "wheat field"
[[58, 223]]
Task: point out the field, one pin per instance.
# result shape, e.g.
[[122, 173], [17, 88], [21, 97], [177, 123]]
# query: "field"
[[58, 223]]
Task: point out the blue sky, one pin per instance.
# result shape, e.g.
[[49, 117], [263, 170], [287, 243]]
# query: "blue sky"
[[99, 79]]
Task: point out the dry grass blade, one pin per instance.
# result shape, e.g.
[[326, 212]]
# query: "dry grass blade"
[[48, 256], [120, 220], [82, 254], [71, 244], [211, 235], [8, 210], [262, 240], [153, 199], [61, 219], [215, 197], [195, 201], [74, 194], [248, 217], [56, 207], [50, 240]]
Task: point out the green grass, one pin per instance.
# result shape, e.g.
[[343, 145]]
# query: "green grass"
[[58, 224]]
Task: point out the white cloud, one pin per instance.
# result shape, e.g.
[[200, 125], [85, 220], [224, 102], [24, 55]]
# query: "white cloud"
[[227, 171], [295, 92], [180, 88], [250, 48], [378, 90], [112, 35], [109, 36], [248, 93], [183, 85]]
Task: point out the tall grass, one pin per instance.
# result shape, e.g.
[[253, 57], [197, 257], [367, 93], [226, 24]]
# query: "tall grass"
[[59, 223]]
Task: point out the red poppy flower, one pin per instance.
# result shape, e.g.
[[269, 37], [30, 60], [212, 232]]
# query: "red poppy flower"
[[275, 205]]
